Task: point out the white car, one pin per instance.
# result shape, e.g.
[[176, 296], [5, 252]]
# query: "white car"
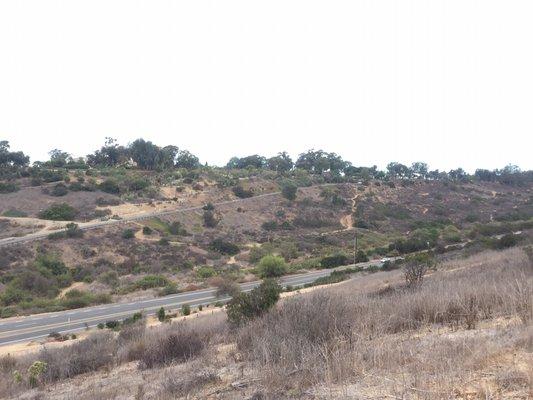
[[384, 260]]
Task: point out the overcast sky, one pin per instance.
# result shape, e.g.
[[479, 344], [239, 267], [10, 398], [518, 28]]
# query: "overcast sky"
[[448, 82]]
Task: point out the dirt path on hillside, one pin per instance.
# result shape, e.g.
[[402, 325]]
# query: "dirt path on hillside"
[[346, 221]]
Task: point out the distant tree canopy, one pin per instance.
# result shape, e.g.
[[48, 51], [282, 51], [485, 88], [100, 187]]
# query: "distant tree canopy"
[[149, 156], [145, 154], [12, 159], [320, 161], [254, 161]]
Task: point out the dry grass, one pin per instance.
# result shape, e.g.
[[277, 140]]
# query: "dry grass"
[[337, 337], [465, 332]]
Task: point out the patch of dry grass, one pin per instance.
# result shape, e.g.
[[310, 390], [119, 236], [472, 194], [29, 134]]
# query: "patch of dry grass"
[[337, 337]]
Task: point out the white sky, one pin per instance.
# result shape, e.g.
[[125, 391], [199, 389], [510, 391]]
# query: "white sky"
[[448, 82]]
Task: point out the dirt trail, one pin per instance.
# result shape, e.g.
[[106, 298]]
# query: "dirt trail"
[[347, 220]]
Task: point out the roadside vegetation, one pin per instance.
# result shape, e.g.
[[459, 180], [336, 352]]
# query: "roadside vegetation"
[[464, 330]]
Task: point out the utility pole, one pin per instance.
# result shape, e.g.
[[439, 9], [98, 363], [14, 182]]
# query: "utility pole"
[[355, 246]]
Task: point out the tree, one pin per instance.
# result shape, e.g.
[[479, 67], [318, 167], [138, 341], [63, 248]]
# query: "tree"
[[419, 170], [11, 159], [397, 170], [319, 161], [281, 163], [253, 161], [59, 158], [271, 266], [146, 154], [109, 155], [187, 160], [288, 190], [247, 306]]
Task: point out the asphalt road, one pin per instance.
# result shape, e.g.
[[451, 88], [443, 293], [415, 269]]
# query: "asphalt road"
[[21, 329]]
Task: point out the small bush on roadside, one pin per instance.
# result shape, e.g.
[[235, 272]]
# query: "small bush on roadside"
[[247, 306], [271, 266]]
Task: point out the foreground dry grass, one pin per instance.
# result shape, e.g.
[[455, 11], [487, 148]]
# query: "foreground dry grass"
[[465, 333]]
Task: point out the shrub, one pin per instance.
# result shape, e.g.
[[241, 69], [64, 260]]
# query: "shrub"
[[416, 267], [247, 306], [205, 272], [161, 316], [334, 260], [288, 190], [151, 281], [128, 234], [210, 220], [242, 193], [110, 186], [8, 187], [85, 356], [14, 213], [179, 344], [269, 225], [59, 212], [508, 240], [185, 309], [112, 324], [59, 190], [224, 247], [147, 230], [175, 228], [138, 184], [226, 287], [271, 266]]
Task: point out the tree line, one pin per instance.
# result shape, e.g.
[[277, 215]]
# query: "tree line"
[[146, 155]]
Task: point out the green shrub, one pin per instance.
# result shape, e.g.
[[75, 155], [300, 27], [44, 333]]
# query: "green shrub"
[[14, 213], [161, 316], [147, 230], [109, 186], [185, 309], [271, 266], [334, 260], [269, 225], [224, 247], [151, 281], [59, 190], [247, 306], [59, 212], [138, 184], [128, 234], [242, 193], [205, 272], [8, 187], [288, 190]]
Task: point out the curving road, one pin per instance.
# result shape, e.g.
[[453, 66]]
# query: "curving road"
[[21, 329]]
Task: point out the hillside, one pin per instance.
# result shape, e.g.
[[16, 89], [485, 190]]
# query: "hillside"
[[133, 233], [418, 283]]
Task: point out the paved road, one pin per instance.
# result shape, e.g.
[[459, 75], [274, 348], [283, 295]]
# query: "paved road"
[[20, 329]]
